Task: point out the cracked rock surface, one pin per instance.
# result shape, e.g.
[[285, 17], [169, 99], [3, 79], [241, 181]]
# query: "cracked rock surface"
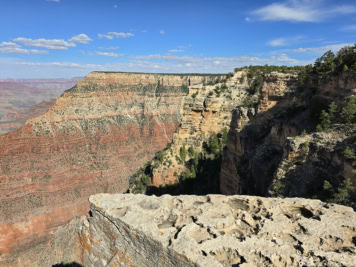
[[216, 230]]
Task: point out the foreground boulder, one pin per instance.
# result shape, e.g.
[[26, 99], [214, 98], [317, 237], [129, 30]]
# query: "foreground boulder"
[[216, 230]]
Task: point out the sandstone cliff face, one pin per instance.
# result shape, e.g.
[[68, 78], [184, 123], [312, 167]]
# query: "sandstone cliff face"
[[90, 141], [310, 159], [215, 230], [259, 154], [206, 110]]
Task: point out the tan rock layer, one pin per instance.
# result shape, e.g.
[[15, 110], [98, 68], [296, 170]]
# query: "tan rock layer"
[[216, 230], [89, 142]]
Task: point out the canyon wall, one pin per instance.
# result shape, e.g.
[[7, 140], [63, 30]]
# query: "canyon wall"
[[215, 230], [89, 142], [207, 110], [259, 157], [23, 99]]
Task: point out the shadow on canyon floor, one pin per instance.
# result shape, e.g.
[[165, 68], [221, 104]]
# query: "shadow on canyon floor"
[[207, 181], [72, 264]]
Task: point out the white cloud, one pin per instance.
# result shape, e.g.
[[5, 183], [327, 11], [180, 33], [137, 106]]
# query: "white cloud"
[[301, 11], [151, 63], [80, 38], [121, 34], [17, 50], [109, 37], [8, 44], [109, 48], [115, 6], [247, 19], [319, 50], [285, 41], [108, 54], [53, 1], [52, 44], [162, 32], [175, 50], [220, 64], [349, 28]]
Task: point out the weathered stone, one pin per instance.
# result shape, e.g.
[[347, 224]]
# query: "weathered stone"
[[93, 138], [216, 230]]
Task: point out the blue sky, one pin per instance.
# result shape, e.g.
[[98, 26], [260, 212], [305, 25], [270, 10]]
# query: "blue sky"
[[69, 38]]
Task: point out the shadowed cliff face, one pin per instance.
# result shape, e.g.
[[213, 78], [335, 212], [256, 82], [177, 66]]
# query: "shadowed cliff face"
[[90, 141], [258, 157]]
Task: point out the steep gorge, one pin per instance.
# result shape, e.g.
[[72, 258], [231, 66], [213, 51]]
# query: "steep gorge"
[[276, 143], [89, 142]]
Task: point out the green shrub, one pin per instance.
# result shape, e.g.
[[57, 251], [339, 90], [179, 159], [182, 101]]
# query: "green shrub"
[[349, 154], [183, 153], [348, 113]]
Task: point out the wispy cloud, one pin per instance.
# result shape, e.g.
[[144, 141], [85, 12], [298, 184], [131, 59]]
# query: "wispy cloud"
[[9, 44], [17, 50], [108, 54], [109, 48], [12, 48], [162, 32], [225, 63], [121, 34], [53, 1], [320, 49], [150, 63], [112, 35], [109, 37], [175, 50], [349, 28], [80, 38], [52, 44], [301, 11], [285, 41]]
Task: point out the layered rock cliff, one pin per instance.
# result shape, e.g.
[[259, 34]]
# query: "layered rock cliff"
[[23, 99], [89, 142], [215, 230], [206, 112], [279, 152]]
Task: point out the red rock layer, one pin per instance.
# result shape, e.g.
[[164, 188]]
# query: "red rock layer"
[[90, 141]]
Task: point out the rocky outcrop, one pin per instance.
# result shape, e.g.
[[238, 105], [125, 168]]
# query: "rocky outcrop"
[[206, 110], [258, 156], [215, 230], [310, 159], [89, 142], [276, 86]]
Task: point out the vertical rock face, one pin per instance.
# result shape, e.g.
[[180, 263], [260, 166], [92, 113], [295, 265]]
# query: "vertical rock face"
[[276, 87], [260, 153], [206, 110], [90, 141], [215, 230]]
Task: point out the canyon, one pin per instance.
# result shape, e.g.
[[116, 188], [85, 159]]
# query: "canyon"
[[23, 99], [237, 134], [90, 141], [288, 146]]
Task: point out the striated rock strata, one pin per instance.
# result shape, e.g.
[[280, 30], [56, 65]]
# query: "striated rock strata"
[[206, 110], [89, 142], [215, 230], [23, 99], [259, 158]]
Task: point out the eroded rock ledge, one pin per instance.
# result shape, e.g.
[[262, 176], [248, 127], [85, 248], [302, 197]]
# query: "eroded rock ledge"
[[216, 230]]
